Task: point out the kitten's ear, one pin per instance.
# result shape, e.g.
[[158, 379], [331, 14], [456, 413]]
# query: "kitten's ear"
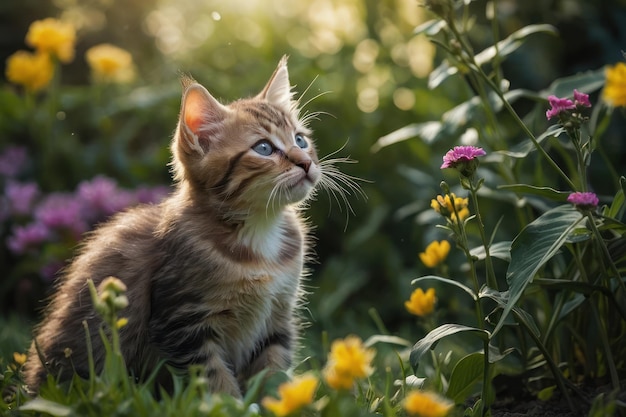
[[278, 91], [200, 114]]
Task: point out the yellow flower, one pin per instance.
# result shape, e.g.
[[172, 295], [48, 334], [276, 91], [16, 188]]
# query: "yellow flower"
[[19, 358], [614, 92], [427, 404], [293, 395], [421, 303], [348, 359], [109, 63], [435, 253], [54, 37], [443, 205], [33, 71]]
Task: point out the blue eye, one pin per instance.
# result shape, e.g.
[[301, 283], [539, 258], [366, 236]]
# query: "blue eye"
[[264, 148], [301, 141]]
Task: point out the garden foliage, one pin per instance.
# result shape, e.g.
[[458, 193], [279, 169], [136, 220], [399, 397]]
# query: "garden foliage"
[[522, 220]]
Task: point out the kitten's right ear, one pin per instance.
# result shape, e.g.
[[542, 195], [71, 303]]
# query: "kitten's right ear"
[[200, 117]]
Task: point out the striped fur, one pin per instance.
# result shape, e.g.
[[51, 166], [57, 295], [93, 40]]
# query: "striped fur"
[[213, 272]]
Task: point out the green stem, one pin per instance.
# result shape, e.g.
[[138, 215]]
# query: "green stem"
[[486, 390], [491, 275], [605, 250]]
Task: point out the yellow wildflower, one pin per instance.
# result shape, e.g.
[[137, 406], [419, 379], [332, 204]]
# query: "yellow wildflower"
[[427, 404], [54, 37], [443, 205], [348, 359], [421, 303], [435, 253], [33, 71], [614, 92], [293, 395], [19, 358], [109, 63]]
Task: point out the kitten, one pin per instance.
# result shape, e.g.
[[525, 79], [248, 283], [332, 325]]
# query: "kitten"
[[213, 272]]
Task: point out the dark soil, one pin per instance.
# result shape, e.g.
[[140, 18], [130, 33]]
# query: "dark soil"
[[525, 405]]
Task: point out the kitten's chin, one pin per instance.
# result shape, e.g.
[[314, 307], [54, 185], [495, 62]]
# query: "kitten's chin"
[[301, 186]]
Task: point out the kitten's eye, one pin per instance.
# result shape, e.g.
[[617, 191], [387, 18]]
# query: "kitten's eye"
[[301, 141], [263, 148]]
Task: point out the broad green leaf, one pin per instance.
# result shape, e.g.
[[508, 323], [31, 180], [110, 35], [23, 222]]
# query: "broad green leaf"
[[585, 82], [427, 131], [467, 373], [431, 339], [42, 405], [617, 206], [502, 299], [499, 250], [447, 281], [547, 192], [391, 340], [536, 244]]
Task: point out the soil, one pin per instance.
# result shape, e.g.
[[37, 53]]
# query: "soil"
[[526, 405]]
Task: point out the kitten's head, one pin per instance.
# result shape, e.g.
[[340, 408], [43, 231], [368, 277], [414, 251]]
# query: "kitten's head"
[[250, 155]]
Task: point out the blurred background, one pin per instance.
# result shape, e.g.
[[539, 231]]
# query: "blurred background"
[[360, 64]]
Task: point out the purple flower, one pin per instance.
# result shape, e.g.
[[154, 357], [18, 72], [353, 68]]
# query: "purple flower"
[[558, 105], [99, 197], [585, 200], [12, 161], [463, 158], [26, 237], [152, 194], [581, 99], [49, 270], [21, 196], [62, 211]]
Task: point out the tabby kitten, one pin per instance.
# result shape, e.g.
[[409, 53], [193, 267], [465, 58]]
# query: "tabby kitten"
[[213, 272]]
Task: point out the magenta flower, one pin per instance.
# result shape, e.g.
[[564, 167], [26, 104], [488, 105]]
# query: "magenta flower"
[[585, 200], [26, 237], [581, 99], [21, 196], [62, 211], [463, 159], [558, 105], [12, 161]]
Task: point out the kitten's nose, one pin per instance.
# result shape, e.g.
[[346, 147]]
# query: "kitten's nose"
[[299, 158]]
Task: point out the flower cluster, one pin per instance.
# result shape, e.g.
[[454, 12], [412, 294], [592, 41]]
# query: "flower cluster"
[[584, 200], [108, 299], [427, 404], [614, 92], [421, 303], [348, 360], [435, 253], [451, 207], [110, 64], [52, 40], [569, 112], [55, 40], [293, 395], [38, 219]]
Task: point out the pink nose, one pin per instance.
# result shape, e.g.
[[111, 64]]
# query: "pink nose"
[[299, 158]]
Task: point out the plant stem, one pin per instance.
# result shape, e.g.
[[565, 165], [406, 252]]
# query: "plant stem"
[[491, 275]]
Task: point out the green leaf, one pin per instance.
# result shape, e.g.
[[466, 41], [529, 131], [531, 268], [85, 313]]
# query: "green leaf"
[[46, 406], [547, 192], [427, 131], [447, 281], [467, 373], [585, 82], [536, 244], [522, 149], [431, 339], [430, 28], [520, 315], [500, 250], [391, 340]]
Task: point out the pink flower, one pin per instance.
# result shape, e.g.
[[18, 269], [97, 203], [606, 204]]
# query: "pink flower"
[[581, 99], [461, 154], [558, 105], [27, 237], [585, 200]]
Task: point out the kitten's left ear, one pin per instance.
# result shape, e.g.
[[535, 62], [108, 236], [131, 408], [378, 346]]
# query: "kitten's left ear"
[[278, 91]]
